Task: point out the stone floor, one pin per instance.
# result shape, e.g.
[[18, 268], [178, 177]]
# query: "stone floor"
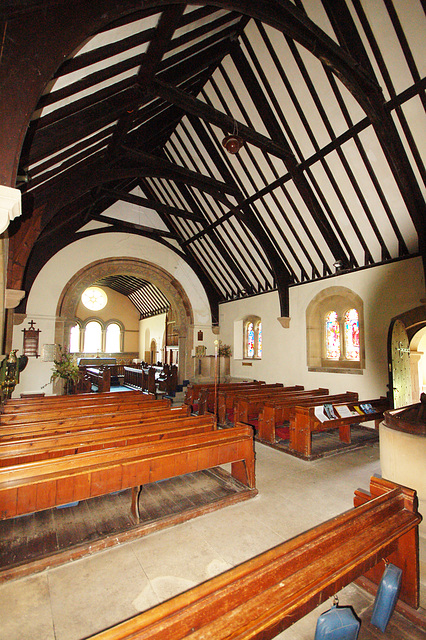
[[73, 601]]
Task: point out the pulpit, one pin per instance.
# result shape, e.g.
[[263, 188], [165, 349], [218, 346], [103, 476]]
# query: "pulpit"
[[205, 368]]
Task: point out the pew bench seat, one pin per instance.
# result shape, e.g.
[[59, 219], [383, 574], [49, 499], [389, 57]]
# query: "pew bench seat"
[[41, 402], [29, 449], [83, 423], [88, 410], [34, 486], [306, 422], [261, 597], [280, 411]]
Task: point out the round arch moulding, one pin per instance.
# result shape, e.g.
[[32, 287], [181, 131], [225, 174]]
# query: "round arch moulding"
[[168, 285]]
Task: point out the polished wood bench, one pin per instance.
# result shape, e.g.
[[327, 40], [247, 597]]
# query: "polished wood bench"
[[226, 398], [86, 423], [79, 400], [99, 377], [305, 423], [34, 486], [278, 412], [195, 391], [247, 408], [258, 599], [208, 397], [44, 446], [87, 410]]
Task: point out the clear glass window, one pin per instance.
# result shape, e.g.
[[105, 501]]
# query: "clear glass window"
[[112, 341], [94, 298], [75, 339], [93, 337]]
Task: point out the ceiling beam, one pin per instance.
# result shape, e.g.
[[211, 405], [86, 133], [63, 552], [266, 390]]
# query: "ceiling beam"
[[157, 167], [207, 113], [124, 224], [299, 179], [149, 63], [153, 204]]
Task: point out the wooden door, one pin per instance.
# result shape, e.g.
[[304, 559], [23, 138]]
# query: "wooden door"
[[399, 365]]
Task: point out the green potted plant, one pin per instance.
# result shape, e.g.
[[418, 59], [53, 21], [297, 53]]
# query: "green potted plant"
[[65, 368]]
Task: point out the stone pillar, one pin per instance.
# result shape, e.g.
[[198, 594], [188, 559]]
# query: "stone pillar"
[[12, 299]]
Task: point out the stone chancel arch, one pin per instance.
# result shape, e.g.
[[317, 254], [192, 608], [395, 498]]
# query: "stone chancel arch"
[[169, 286]]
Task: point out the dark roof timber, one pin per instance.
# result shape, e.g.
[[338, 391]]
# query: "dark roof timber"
[[153, 118]]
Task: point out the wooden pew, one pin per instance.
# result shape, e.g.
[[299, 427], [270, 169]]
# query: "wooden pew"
[[248, 407], [279, 411], [50, 402], [140, 378], [34, 486], [99, 377], [83, 423], [44, 446], [226, 398], [305, 423], [88, 410], [258, 599], [194, 390]]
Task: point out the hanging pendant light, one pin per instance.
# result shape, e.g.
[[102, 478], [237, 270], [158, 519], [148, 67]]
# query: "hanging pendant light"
[[232, 142]]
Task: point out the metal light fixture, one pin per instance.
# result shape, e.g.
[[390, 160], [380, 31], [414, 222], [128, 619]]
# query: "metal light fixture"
[[232, 142]]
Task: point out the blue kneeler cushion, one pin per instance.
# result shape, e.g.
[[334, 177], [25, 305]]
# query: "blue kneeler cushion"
[[386, 597], [338, 623]]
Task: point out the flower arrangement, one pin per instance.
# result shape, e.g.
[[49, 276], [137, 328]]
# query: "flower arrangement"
[[65, 367], [225, 350]]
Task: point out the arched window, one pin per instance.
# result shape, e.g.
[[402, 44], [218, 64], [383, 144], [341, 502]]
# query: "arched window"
[[112, 338], [332, 336], [335, 331], [252, 338], [342, 342], [93, 337], [351, 330], [259, 339], [75, 338]]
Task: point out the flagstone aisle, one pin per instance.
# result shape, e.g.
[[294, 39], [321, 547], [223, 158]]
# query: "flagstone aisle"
[[74, 601]]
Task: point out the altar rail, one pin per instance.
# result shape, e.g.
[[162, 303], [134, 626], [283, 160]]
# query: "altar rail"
[[265, 595]]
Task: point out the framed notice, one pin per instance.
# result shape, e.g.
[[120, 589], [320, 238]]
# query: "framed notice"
[[48, 352], [31, 338]]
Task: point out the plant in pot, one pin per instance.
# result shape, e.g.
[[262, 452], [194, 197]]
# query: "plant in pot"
[[65, 368]]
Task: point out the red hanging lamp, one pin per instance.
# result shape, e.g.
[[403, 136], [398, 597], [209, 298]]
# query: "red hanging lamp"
[[232, 142]]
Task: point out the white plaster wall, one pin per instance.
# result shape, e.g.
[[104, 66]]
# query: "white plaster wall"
[[47, 288], [386, 290], [152, 329]]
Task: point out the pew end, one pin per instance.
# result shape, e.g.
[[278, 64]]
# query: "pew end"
[[265, 595]]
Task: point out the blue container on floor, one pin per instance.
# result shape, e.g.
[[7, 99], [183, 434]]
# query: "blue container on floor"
[[338, 623], [386, 597]]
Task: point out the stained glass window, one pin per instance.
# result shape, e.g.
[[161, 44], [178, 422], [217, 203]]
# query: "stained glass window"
[[259, 340], [250, 340], [351, 330], [332, 336]]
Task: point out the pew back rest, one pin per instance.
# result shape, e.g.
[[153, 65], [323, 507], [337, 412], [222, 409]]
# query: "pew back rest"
[[85, 423], [88, 410], [30, 449], [284, 583]]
